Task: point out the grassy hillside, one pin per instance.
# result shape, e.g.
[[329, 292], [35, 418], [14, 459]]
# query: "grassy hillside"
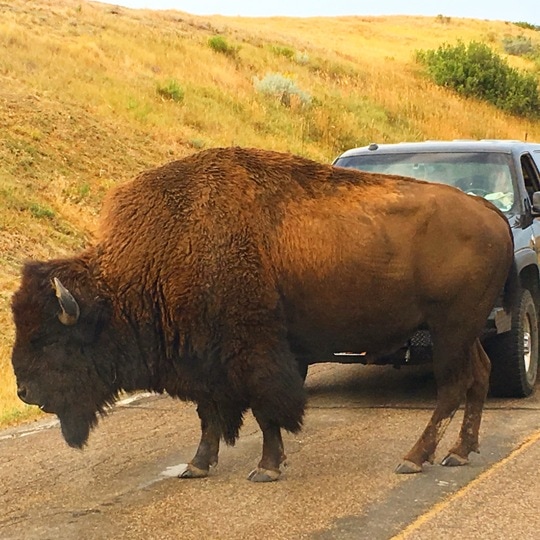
[[90, 94]]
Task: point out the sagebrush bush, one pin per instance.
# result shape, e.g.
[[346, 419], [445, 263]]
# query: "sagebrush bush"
[[518, 45], [281, 87], [301, 58], [474, 70]]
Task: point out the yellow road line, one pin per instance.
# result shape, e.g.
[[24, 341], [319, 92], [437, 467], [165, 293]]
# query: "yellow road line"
[[440, 506]]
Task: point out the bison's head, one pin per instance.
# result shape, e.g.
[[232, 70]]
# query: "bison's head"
[[56, 353]]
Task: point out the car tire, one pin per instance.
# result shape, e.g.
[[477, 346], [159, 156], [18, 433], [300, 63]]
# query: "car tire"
[[514, 354]]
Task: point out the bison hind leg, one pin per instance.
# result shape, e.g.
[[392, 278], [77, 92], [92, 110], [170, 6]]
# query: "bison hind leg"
[[467, 442], [452, 377]]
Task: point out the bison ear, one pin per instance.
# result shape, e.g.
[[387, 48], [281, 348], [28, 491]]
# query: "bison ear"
[[70, 309]]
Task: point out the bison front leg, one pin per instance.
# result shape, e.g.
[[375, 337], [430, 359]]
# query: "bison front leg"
[[208, 449], [273, 454]]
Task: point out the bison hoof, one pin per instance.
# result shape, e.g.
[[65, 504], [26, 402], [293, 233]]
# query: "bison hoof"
[[408, 467], [453, 460], [263, 475], [193, 472]]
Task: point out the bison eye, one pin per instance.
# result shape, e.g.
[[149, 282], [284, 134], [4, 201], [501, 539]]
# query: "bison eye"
[[42, 339], [36, 339]]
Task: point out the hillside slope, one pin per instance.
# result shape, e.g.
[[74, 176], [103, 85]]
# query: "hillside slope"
[[90, 94]]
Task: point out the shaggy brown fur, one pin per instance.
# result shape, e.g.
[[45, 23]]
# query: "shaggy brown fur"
[[212, 275]]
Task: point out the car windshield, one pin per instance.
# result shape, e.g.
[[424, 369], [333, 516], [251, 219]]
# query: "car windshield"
[[486, 175]]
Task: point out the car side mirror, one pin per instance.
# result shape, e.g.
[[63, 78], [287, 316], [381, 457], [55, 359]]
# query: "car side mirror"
[[536, 202]]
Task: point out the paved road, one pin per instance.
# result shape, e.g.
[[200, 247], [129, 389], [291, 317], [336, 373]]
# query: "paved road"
[[339, 483]]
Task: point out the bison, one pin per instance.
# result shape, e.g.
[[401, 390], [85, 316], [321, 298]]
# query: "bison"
[[212, 277]]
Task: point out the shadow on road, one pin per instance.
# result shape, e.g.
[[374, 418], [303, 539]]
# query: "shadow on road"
[[371, 386]]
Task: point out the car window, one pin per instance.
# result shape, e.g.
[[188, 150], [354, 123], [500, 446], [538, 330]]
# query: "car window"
[[487, 175], [536, 159], [530, 174]]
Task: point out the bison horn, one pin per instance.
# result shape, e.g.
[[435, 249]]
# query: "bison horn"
[[70, 308]]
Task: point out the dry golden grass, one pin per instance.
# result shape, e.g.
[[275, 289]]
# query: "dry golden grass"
[[79, 111]]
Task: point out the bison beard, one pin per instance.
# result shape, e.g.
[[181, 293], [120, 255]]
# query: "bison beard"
[[214, 277], [79, 412], [76, 429]]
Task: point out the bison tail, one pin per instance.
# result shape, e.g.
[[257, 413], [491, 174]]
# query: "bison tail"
[[230, 422], [511, 288]]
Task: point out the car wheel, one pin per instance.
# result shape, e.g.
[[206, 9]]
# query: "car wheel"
[[514, 354]]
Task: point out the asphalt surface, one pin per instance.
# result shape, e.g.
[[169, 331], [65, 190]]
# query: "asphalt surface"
[[339, 482]]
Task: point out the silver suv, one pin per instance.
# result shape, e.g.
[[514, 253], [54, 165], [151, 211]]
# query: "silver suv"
[[507, 174]]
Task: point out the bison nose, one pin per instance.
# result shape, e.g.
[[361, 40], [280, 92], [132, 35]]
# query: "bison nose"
[[22, 392]]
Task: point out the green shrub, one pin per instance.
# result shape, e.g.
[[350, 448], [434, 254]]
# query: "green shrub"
[[41, 212], [171, 90], [474, 70], [527, 26], [287, 52], [443, 20], [219, 44]]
